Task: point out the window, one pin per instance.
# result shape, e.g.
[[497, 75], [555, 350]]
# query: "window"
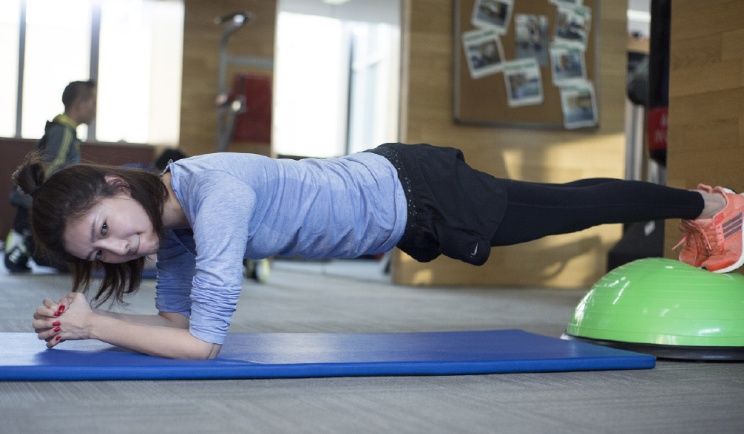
[[374, 86], [57, 52], [336, 77], [312, 59], [138, 48], [9, 27], [139, 72]]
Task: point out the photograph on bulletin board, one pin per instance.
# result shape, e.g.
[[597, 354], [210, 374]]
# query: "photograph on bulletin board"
[[526, 63]]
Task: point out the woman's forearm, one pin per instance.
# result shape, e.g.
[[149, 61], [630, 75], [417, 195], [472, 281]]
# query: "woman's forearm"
[[163, 319], [156, 340]]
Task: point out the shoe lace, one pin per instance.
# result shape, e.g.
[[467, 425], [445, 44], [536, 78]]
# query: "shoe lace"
[[705, 236]]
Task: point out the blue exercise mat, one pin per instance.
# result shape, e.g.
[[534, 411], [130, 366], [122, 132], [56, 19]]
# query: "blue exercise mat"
[[291, 355]]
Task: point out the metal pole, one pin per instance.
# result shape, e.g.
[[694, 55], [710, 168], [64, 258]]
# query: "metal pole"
[[634, 143], [349, 91], [95, 38], [235, 21], [21, 62], [222, 93]]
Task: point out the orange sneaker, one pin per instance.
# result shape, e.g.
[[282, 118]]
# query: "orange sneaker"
[[720, 236], [694, 245]]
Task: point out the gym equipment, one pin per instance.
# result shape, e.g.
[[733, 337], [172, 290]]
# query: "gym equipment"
[[666, 308], [292, 355], [228, 107], [233, 102], [258, 270]]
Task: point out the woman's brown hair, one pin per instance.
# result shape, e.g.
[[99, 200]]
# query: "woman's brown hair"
[[70, 192]]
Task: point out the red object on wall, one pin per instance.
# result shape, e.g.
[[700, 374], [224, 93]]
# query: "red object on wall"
[[657, 124], [254, 125], [657, 129]]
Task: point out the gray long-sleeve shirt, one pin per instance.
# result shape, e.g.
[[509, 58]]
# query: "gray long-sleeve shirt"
[[248, 206]]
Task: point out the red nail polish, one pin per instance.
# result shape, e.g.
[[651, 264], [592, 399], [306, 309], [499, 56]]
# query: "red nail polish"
[[62, 308], [55, 323], [58, 338], [56, 329], [56, 313]]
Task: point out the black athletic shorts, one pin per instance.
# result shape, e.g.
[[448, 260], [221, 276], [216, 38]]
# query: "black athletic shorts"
[[453, 209]]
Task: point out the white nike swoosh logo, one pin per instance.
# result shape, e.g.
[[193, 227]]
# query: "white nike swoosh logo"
[[475, 250]]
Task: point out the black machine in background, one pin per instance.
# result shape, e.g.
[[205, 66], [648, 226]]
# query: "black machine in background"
[[658, 75], [648, 90]]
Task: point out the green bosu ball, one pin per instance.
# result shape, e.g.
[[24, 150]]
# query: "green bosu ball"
[[666, 308]]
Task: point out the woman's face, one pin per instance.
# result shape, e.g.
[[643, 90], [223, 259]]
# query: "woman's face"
[[115, 230]]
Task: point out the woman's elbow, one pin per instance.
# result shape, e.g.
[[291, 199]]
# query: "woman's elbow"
[[203, 350]]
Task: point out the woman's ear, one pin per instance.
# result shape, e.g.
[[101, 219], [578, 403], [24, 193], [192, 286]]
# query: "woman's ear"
[[118, 183]]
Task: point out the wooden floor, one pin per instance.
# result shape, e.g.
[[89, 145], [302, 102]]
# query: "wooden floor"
[[675, 397]]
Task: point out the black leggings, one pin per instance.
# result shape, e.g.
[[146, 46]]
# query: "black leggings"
[[535, 210]]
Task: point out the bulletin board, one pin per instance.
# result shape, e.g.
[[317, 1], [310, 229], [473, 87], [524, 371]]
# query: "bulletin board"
[[526, 63]]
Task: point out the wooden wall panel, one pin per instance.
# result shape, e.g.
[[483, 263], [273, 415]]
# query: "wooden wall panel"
[[574, 260], [706, 97], [201, 38]]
